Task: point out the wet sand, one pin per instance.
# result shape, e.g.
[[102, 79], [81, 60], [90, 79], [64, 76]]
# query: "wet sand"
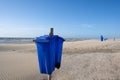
[[82, 60]]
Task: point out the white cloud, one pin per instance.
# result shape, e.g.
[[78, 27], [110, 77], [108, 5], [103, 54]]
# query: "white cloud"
[[87, 26]]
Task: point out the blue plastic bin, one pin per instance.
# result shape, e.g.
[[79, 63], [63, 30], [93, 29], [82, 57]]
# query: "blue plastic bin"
[[101, 38], [49, 49]]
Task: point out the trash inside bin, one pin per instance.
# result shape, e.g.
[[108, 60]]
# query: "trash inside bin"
[[49, 49]]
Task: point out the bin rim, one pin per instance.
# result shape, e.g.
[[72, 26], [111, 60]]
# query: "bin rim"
[[45, 38]]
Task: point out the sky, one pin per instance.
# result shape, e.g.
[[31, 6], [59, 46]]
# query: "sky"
[[69, 18]]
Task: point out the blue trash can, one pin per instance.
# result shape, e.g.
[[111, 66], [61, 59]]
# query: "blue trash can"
[[49, 49], [101, 38]]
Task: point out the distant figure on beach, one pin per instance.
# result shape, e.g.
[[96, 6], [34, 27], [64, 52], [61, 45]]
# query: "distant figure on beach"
[[101, 38]]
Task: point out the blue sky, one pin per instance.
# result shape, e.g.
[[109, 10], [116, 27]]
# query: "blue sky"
[[70, 18]]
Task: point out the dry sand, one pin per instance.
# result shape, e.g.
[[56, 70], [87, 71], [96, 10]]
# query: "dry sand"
[[82, 60]]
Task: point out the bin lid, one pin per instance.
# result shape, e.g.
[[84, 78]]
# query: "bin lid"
[[46, 38], [41, 39]]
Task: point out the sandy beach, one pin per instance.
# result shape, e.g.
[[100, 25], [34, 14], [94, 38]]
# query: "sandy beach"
[[81, 60]]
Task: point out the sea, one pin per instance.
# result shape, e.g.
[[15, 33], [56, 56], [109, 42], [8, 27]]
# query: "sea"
[[21, 40], [15, 40]]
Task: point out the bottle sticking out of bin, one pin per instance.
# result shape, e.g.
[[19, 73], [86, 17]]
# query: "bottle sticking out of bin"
[[49, 51]]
